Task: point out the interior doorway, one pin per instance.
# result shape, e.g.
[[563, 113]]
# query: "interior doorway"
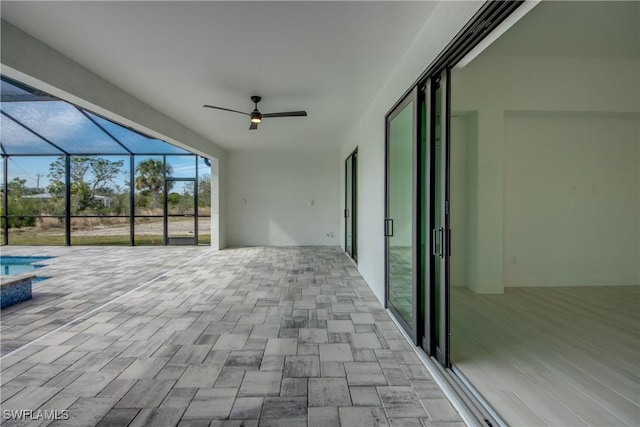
[[351, 207]]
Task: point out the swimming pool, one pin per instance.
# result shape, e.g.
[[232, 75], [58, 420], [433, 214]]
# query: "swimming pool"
[[10, 265]]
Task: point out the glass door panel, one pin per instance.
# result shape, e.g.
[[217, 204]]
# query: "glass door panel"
[[399, 222], [434, 222], [354, 207], [436, 205], [180, 217], [426, 140], [440, 218], [348, 211]]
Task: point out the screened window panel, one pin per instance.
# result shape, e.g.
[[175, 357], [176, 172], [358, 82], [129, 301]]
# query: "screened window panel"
[[100, 231], [8, 90], [181, 198], [64, 125], [204, 230], [100, 185], [149, 231], [17, 140], [149, 185], [204, 188], [181, 166], [135, 142], [40, 135], [36, 186], [36, 231]]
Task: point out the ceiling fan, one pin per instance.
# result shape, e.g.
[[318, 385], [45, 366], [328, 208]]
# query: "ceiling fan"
[[257, 116]]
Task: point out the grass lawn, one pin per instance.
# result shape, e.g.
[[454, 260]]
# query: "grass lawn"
[[108, 240]]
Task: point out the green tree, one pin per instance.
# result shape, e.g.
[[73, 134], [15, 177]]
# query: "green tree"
[[17, 187], [20, 206], [174, 199], [89, 176], [183, 202], [150, 175], [204, 191], [103, 171]]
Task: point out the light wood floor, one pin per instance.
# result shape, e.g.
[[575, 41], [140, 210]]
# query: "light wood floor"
[[566, 356]]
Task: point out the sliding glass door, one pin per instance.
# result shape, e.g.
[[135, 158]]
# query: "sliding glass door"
[[417, 225], [439, 212], [434, 216], [350, 211], [400, 220]]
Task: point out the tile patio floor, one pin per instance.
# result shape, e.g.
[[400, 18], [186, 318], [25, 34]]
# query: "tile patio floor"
[[186, 336]]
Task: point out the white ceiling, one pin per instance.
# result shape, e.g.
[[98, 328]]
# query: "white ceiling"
[[596, 29], [327, 58]]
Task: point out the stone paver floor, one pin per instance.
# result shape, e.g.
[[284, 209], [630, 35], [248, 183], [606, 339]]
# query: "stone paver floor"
[[192, 337]]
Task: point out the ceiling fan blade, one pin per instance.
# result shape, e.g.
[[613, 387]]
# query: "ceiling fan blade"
[[253, 126], [225, 109], [286, 114]]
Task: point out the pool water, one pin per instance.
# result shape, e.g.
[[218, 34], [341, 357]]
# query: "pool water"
[[10, 265]]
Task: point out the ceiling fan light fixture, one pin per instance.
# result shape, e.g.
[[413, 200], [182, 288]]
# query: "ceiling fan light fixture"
[[256, 117]]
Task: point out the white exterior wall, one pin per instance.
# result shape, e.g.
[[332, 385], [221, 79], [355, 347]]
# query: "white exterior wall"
[[283, 198]]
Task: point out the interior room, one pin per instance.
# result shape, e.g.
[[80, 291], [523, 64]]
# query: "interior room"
[[545, 184]]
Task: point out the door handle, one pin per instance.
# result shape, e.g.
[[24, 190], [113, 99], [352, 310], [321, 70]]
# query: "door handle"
[[388, 227], [346, 213], [436, 242]]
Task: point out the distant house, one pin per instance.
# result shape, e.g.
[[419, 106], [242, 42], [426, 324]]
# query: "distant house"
[[105, 200]]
